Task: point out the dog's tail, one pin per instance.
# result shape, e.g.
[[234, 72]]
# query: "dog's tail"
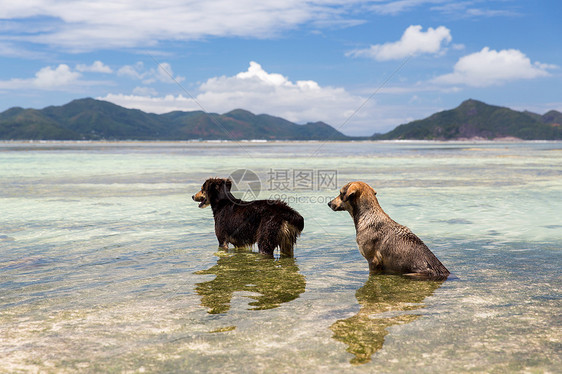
[[293, 218], [291, 228]]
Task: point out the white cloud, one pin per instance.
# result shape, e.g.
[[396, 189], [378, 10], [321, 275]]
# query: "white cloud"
[[61, 76], [143, 100], [395, 7], [96, 67], [132, 71], [15, 84], [450, 7], [145, 91], [163, 73], [9, 49], [413, 42], [110, 24], [490, 67], [48, 78], [466, 9], [258, 91]]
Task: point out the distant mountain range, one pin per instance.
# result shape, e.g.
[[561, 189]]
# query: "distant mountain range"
[[477, 120], [89, 119]]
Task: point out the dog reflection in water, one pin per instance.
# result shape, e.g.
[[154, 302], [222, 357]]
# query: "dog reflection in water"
[[268, 281], [386, 300]]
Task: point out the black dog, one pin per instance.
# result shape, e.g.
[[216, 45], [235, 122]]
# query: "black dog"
[[269, 223]]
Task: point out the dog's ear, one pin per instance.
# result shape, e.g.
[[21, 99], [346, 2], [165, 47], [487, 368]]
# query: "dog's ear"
[[223, 188], [351, 193]]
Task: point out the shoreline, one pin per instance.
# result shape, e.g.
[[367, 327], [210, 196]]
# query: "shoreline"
[[476, 140]]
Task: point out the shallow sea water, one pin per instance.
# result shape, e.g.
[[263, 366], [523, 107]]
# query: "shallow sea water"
[[107, 265]]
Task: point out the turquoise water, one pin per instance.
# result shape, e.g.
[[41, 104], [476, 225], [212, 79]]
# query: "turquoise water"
[[107, 265]]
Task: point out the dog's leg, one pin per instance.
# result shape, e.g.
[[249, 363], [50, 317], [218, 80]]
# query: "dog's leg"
[[223, 243], [287, 239], [267, 242], [222, 237], [375, 266], [287, 249], [375, 263], [266, 247], [268, 237]]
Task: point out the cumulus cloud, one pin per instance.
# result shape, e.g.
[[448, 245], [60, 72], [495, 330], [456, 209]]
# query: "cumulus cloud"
[[132, 71], [65, 78], [414, 41], [96, 67], [162, 73], [490, 67], [142, 99], [48, 78], [260, 92], [145, 91], [61, 76]]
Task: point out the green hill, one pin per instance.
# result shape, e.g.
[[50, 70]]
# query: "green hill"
[[89, 119], [475, 119], [19, 123]]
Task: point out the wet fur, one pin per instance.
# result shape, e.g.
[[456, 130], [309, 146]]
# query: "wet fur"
[[269, 223], [388, 246]]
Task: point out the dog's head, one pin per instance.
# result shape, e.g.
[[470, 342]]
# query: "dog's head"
[[213, 190], [349, 195]]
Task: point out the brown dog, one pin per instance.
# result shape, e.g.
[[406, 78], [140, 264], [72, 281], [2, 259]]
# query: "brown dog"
[[388, 246]]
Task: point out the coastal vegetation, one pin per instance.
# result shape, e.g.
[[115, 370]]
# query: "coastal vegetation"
[[90, 119]]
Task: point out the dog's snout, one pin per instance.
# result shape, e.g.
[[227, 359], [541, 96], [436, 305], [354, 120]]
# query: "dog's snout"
[[193, 197], [336, 205]]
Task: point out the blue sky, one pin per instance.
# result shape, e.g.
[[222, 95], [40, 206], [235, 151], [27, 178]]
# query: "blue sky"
[[361, 66]]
